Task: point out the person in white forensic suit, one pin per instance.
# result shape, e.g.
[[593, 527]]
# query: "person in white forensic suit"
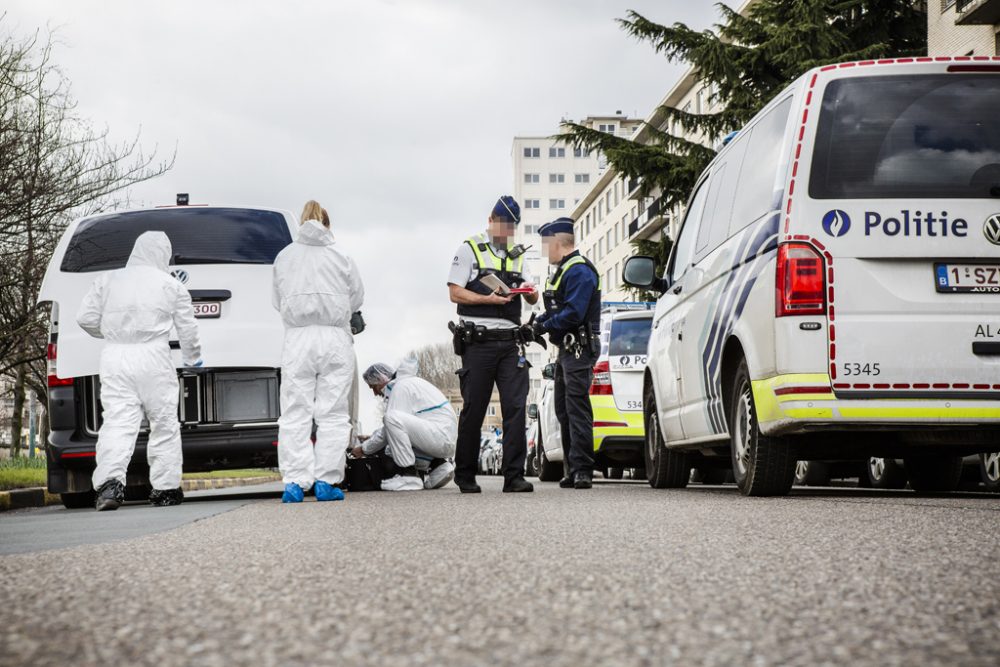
[[316, 289], [418, 430], [134, 309]]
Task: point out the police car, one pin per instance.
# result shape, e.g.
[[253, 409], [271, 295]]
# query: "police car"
[[834, 287], [228, 412], [615, 396]]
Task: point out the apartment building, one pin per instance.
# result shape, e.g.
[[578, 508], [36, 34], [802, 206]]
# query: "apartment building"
[[550, 179], [963, 27]]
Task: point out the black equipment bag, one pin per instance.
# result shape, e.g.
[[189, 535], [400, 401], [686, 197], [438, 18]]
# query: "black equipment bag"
[[364, 474]]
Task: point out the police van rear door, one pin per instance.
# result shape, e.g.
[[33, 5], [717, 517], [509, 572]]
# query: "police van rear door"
[[904, 203], [627, 349]]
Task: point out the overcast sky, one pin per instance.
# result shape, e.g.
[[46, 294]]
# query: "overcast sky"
[[397, 116]]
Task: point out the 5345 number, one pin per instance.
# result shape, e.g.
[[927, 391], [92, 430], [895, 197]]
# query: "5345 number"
[[869, 369]]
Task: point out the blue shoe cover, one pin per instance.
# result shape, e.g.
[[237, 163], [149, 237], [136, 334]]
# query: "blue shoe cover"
[[293, 493], [326, 492]]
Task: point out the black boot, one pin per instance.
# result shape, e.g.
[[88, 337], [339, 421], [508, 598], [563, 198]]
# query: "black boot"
[[110, 495], [582, 480], [518, 485], [168, 497], [468, 486], [566, 482]]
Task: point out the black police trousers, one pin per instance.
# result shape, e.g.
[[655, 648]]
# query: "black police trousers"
[[573, 378], [483, 365]]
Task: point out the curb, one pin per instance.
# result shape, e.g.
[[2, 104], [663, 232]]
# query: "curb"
[[16, 499], [226, 482]]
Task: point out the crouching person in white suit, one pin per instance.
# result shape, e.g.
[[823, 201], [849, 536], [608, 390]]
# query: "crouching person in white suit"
[[418, 431]]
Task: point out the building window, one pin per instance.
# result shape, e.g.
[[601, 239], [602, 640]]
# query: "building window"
[[531, 178], [610, 128], [557, 152], [600, 210], [581, 152], [586, 224], [557, 178], [557, 203], [532, 203], [532, 152], [607, 200], [618, 231], [608, 240], [617, 194], [491, 411], [581, 178]]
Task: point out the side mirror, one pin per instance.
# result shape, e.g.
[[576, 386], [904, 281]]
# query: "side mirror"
[[533, 411], [640, 271], [549, 372]]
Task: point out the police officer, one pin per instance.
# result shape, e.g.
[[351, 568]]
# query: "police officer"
[[490, 339], [572, 319]]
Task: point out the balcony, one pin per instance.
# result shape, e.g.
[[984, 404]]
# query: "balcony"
[[977, 12], [633, 188], [649, 221]]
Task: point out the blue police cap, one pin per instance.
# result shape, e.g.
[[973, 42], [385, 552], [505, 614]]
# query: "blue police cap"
[[507, 209], [557, 226]]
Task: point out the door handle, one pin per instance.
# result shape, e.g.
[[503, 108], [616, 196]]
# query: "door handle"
[[677, 289]]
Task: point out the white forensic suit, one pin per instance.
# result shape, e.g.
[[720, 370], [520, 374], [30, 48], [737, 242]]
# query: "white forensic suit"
[[419, 423], [133, 310], [316, 288]]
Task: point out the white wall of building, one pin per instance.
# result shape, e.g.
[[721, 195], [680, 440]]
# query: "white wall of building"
[[946, 38]]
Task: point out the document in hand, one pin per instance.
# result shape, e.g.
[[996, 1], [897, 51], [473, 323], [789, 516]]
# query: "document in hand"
[[498, 286], [495, 284]]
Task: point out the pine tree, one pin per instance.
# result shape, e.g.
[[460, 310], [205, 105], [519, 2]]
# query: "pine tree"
[[744, 62]]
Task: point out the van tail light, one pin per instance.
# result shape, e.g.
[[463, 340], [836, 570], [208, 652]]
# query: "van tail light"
[[50, 356], [601, 386], [800, 284]]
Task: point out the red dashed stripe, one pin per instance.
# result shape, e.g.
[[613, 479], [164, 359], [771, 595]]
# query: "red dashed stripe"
[[831, 312]]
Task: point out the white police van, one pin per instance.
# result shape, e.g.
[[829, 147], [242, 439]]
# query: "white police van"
[[834, 290]]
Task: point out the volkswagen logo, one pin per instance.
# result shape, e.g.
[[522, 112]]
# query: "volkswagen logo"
[[836, 223], [991, 229], [181, 275]]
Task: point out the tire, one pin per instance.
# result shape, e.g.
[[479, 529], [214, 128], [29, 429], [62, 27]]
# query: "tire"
[[812, 473], [933, 474], [616, 473], [881, 473], [531, 465], [547, 470], [665, 468], [75, 501], [989, 470], [762, 466]]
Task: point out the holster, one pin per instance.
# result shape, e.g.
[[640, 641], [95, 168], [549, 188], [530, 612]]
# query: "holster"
[[457, 338]]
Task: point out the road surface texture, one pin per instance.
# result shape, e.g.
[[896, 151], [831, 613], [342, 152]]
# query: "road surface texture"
[[622, 574]]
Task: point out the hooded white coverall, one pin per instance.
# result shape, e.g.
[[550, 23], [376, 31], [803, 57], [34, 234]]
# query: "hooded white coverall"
[[316, 288], [133, 310], [419, 423]]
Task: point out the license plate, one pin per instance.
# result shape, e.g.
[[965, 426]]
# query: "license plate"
[[205, 309], [981, 278]]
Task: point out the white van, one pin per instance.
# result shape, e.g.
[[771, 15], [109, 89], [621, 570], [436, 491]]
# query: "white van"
[[834, 290], [229, 410]]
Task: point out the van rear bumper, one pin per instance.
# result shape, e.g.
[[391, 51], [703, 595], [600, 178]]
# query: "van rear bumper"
[[803, 403], [204, 450]]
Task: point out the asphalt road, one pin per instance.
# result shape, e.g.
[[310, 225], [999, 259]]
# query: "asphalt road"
[[622, 574]]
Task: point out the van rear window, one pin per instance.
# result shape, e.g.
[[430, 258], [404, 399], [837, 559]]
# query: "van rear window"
[[914, 136], [198, 236], [630, 336]]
